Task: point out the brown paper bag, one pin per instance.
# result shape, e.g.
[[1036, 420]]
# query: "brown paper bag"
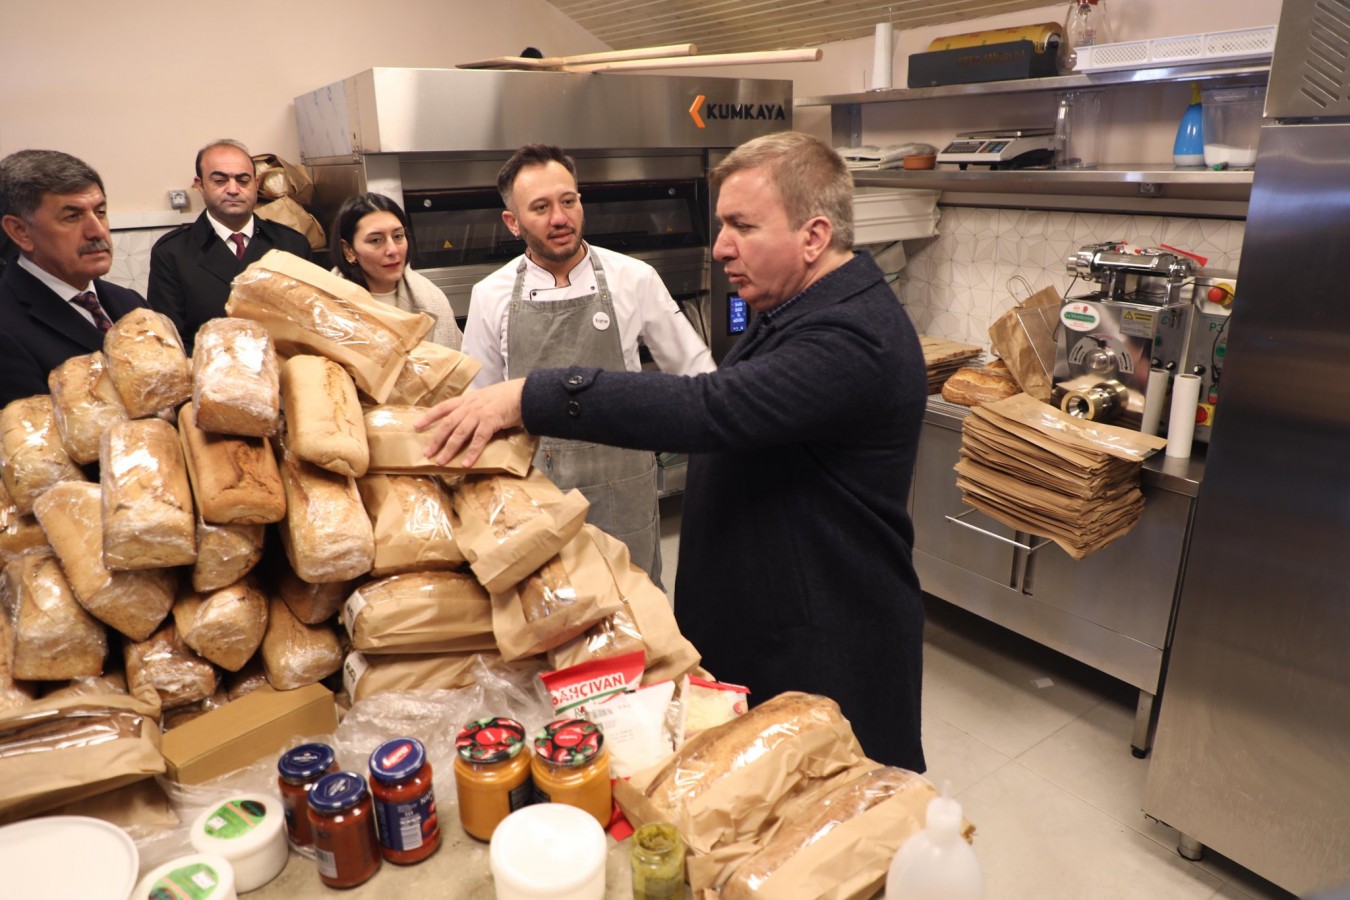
[[412, 518], [509, 527], [308, 309], [569, 594], [278, 178], [732, 784], [433, 373], [646, 622], [397, 448], [285, 211], [422, 612], [57, 751], [366, 675], [1025, 338]]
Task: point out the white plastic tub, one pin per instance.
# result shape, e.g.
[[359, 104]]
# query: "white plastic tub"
[[882, 215]]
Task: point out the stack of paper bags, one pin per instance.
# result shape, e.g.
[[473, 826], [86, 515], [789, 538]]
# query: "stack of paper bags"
[[1044, 472], [942, 357]]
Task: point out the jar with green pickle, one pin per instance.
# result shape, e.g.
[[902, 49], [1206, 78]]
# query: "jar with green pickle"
[[658, 863]]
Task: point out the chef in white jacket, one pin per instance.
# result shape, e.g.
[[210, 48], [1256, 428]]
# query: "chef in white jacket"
[[565, 302]]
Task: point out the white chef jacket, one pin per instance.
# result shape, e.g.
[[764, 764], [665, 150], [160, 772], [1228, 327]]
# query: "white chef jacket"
[[642, 305]]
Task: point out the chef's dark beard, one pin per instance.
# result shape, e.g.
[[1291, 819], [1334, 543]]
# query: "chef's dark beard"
[[540, 249]]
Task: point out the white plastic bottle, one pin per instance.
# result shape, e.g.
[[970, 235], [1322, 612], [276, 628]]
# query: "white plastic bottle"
[[936, 863]]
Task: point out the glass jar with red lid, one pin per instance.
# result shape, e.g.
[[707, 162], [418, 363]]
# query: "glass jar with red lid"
[[343, 823], [571, 765], [492, 774], [405, 804], [298, 770]]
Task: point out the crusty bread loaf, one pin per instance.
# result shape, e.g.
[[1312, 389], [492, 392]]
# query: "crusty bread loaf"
[[309, 310], [546, 592], [164, 663], [327, 535], [225, 554], [134, 603], [13, 693], [323, 416], [295, 654], [148, 520], [420, 612], [974, 385], [181, 715], [398, 448], [147, 362], [86, 403], [32, 457], [234, 479], [113, 682], [312, 603], [235, 387], [833, 808], [246, 680], [412, 518], [18, 534], [716, 752], [54, 638], [226, 626]]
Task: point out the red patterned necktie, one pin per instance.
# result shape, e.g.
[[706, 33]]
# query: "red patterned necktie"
[[88, 300], [238, 245]]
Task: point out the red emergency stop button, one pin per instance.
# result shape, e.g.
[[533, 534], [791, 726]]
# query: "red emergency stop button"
[[1204, 414], [1220, 295]]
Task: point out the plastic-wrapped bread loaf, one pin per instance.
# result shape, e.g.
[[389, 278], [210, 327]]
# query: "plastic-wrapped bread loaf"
[[226, 626], [420, 612], [398, 448], [18, 534], [13, 693], [246, 680], [147, 363], [327, 535], [323, 416], [135, 602], [309, 310], [433, 373], [148, 520], [225, 554], [411, 516], [834, 808], [90, 686], [164, 663], [234, 479], [235, 386], [86, 404], [295, 654], [312, 603], [32, 457], [54, 638]]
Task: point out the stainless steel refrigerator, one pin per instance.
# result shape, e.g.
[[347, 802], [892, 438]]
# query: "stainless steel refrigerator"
[[1252, 755]]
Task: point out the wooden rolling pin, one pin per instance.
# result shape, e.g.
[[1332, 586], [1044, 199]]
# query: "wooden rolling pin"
[[557, 62], [689, 62]]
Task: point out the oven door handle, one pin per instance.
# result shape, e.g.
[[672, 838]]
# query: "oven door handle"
[[1029, 548]]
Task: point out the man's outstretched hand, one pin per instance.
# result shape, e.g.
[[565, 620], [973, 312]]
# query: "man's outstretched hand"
[[466, 423]]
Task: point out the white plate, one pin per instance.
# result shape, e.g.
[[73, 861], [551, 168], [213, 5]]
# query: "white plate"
[[74, 857]]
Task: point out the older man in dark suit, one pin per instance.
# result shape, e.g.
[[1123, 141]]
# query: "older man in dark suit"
[[53, 301], [192, 266]]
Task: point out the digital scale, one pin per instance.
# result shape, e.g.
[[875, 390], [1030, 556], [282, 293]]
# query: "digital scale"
[[1001, 149]]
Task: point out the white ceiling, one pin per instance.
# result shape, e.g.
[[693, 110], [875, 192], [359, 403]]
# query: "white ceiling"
[[733, 26]]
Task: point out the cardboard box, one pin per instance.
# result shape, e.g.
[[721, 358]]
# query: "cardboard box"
[[245, 730]]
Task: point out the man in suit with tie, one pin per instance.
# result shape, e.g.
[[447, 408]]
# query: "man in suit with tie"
[[53, 301], [192, 266]]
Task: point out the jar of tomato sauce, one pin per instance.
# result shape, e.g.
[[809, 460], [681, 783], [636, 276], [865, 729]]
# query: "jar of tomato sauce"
[[298, 770], [492, 774], [571, 765], [405, 804], [343, 823]]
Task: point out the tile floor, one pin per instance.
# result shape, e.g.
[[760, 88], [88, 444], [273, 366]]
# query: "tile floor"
[[1045, 773]]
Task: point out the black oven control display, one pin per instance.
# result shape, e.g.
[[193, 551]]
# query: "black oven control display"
[[738, 314]]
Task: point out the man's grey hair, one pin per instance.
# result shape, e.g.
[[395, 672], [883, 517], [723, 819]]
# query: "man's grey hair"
[[221, 142], [27, 175], [811, 178]]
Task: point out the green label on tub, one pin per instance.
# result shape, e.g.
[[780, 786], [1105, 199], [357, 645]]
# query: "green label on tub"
[[195, 881], [235, 819]]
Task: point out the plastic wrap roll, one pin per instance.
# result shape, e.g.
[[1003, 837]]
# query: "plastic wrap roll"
[[1154, 400], [1181, 423], [882, 57]]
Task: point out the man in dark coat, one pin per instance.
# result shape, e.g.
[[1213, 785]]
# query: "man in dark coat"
[[54, 303], [192, 266], [795, 565]]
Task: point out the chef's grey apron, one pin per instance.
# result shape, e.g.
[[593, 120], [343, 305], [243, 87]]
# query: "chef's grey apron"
[[620, 484]]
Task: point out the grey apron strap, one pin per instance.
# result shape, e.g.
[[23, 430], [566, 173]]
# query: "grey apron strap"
[[620, 484]]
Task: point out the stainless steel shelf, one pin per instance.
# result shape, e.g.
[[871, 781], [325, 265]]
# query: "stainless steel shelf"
[[1244, 72], [1147, 180]]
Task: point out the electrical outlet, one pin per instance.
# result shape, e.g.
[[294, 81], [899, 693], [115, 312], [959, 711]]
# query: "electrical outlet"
[[178, 199]]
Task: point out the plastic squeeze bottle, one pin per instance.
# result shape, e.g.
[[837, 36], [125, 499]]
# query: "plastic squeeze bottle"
[[1189, 148], [936, 863]]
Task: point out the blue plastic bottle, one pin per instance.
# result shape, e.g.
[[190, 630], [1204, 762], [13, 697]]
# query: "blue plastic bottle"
[[1189, 149]]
